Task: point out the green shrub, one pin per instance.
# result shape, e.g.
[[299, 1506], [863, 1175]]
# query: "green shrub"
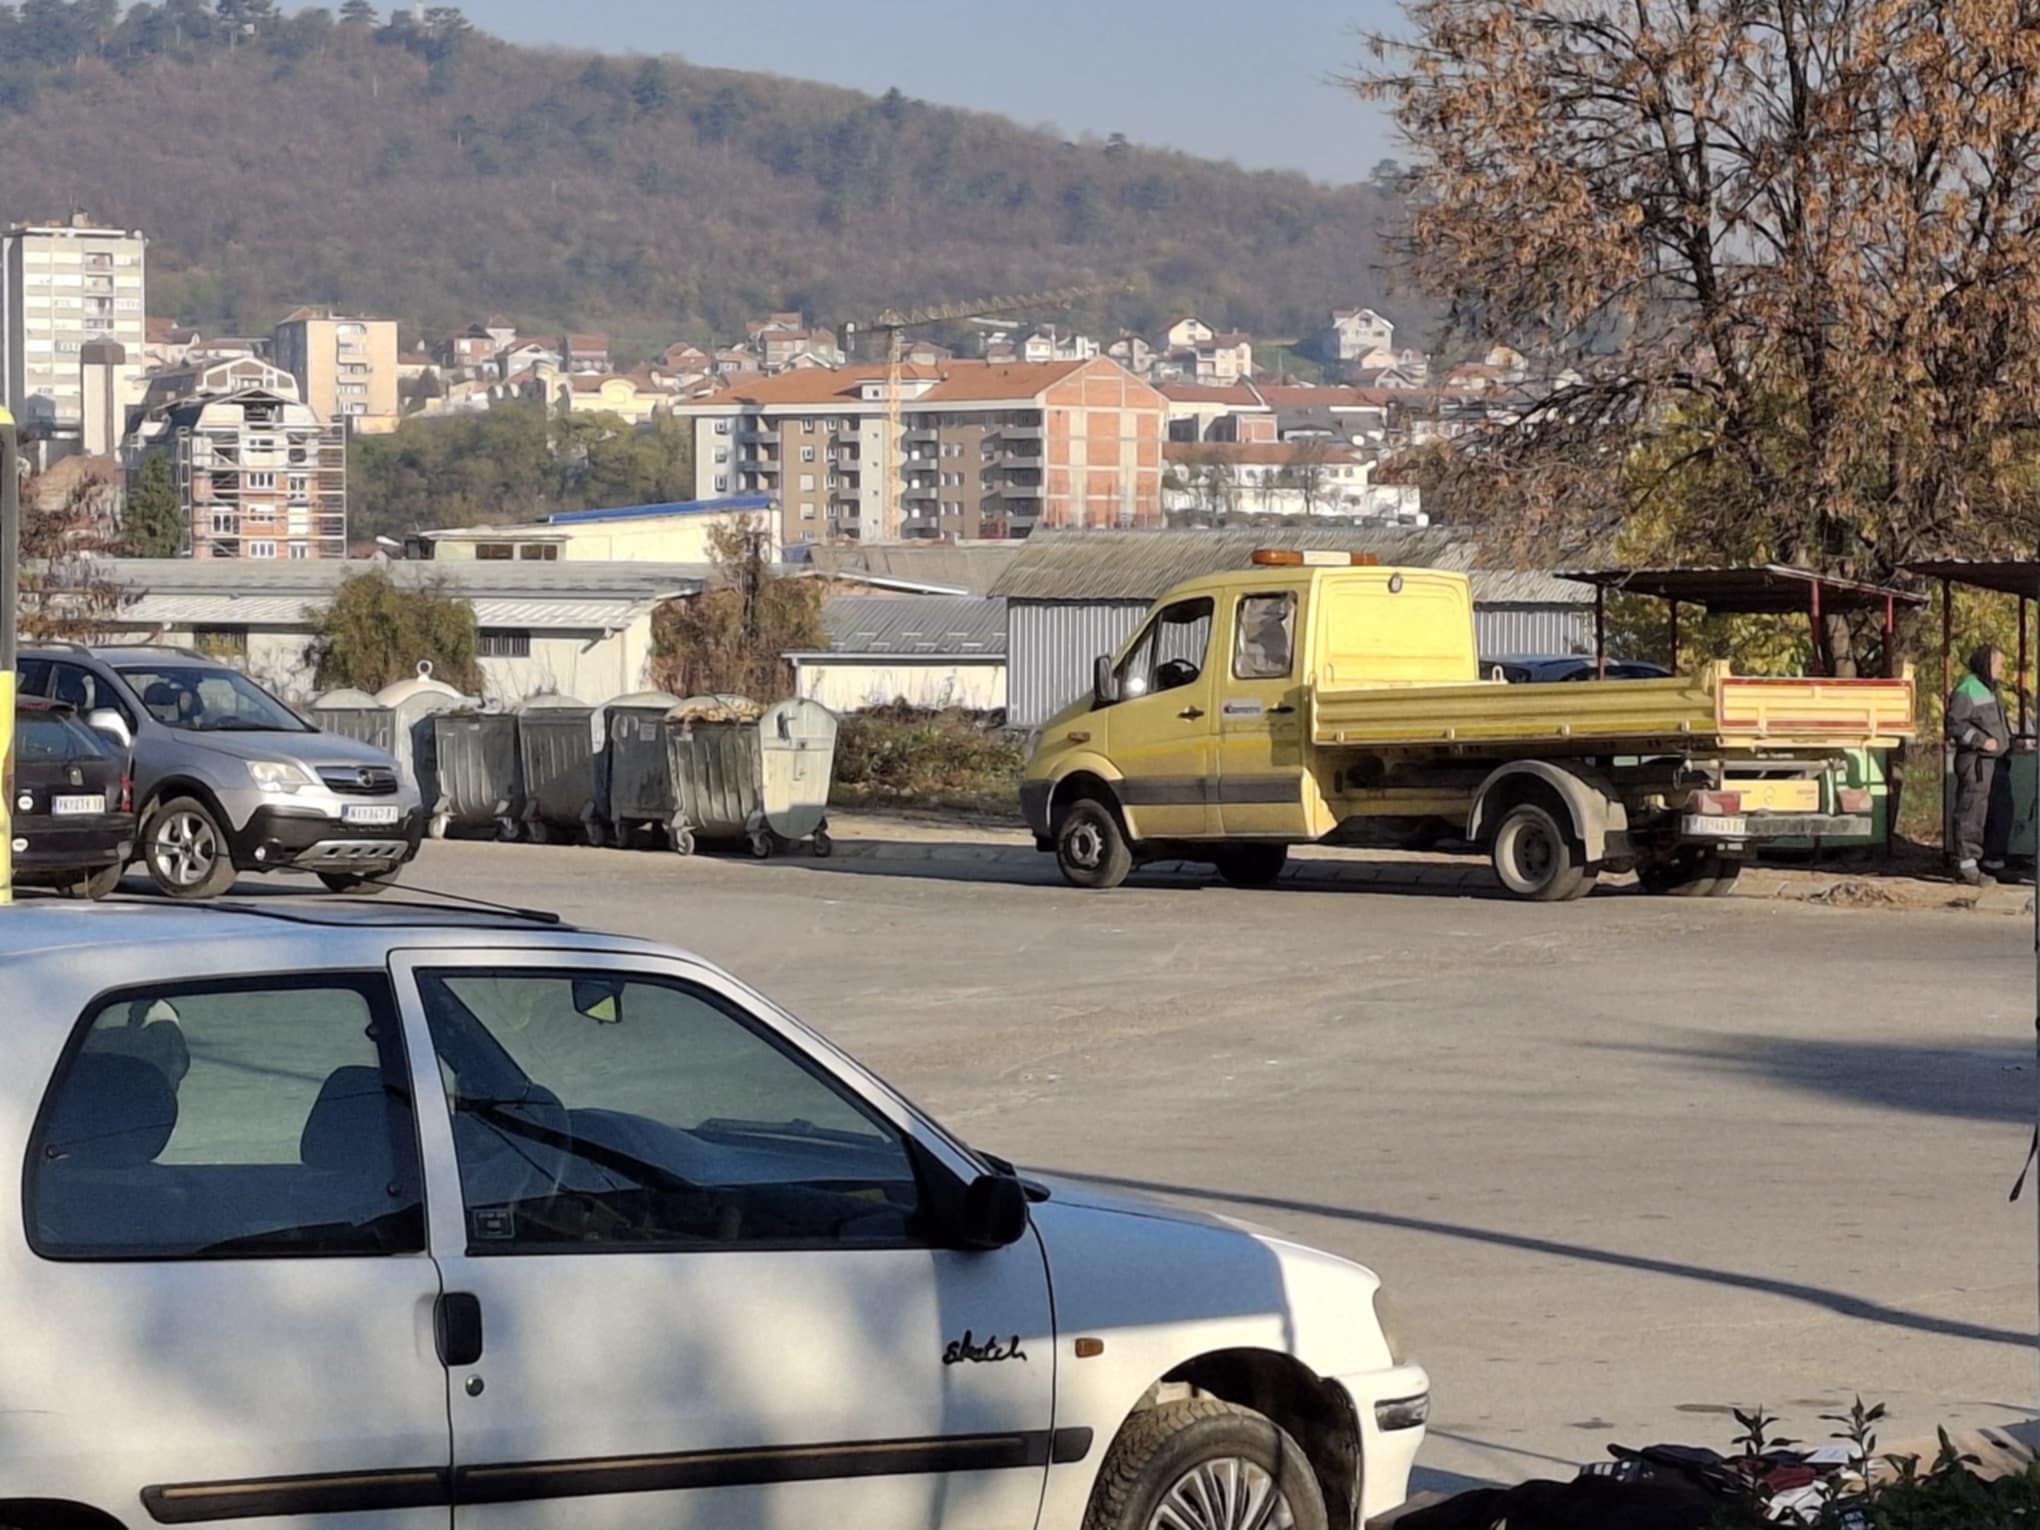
[[908, 757]]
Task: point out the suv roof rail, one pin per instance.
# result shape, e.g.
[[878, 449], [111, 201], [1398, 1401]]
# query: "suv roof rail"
[[64, 643]]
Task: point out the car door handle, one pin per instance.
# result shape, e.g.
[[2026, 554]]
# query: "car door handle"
[[1191, 712], [1281, 711], [457, 1326]]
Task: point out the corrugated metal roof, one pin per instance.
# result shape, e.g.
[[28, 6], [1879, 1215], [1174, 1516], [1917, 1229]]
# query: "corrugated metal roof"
[[1142, 565], [317, 579], [212, 610], [934, 626], [965, 567], [1514, 587]]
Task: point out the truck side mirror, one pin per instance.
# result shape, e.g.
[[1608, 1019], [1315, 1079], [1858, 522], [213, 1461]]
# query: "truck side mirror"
[[1104, 684]]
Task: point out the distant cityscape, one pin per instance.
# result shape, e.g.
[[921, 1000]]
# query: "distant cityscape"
[[1026, 426]]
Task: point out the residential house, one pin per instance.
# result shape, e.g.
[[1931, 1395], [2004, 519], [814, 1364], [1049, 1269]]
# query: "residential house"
[[585, 353], [500, 330], [784, 322], [1287, 478], [780, 348], [1355, 333], [1132, 352], [168, 343], [685, 358], [986, 449], [1186, 333], [471, 352], [261, 476], [1223, 359], [227, 348], [413, 364], [524, 355], [345, 366], [735, 361], [171, 384], [1202, 412], [633, 398], [926, 353]]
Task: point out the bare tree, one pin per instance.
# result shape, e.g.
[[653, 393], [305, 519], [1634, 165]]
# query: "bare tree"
[[1788, 246]]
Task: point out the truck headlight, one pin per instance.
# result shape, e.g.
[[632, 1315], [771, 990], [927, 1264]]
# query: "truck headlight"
[[279, 776]]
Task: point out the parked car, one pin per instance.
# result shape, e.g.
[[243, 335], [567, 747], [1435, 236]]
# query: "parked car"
[[318, 1209], [72, 818], [1528, 669], [227, 778]]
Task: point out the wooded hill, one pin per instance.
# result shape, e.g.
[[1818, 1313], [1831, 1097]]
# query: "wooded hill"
[[435, 174]]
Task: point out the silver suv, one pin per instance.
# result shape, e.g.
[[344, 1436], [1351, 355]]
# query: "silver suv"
[[227, 778]]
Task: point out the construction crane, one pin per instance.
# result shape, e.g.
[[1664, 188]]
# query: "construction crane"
[[893, 323]]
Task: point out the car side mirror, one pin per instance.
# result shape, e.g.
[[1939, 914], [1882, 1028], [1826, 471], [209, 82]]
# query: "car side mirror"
[[993, 1214], [1104, 684], [112, 724]]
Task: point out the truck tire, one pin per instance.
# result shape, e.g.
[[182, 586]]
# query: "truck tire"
[[1724, 879], [1536, 859], [1253, 865], [1090, 848], [1205, 1462]]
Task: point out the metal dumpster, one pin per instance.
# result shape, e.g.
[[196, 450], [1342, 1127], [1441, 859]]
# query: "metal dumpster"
[[481, 785], [761, 778], [357, 715], [411, 705], [641, 800], [559, 745]]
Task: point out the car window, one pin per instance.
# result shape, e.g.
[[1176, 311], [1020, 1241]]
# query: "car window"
[[594, 1113], [1266, 625], [45, 736], [237, 1119], [32, 677], [198, 699], [1171, 652]]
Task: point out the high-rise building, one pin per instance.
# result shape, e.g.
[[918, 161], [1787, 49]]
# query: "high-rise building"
[[985, 449], [63, 286], [260, 476], [346, 368]]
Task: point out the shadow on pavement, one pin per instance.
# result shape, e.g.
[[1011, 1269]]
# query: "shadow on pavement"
[[1988, 1080], [1841, 1303]]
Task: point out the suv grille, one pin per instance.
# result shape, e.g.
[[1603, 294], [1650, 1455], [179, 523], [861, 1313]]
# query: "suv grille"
[[359, 780]]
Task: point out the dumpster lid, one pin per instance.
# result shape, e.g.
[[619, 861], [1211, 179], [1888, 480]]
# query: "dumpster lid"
[[665, 701], [346, 696], [552, 701], [403, 690]]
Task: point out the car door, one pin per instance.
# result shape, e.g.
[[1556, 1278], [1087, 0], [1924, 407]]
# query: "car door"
[[229, 1274], [698, 1266], [1161, 731], [1260, 711]]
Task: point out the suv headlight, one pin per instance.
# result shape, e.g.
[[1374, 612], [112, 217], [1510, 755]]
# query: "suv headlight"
[[1391, 1330], [280, 776]]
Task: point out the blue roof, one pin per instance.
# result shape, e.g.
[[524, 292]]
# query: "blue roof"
[[648, 512]]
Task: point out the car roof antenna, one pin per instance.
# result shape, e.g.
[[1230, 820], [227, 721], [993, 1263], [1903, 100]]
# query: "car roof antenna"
[[536, 915]]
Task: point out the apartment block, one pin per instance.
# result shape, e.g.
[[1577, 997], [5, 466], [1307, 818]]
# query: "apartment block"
[[62, 287], [346, 368], [261, 475], [985, 449]]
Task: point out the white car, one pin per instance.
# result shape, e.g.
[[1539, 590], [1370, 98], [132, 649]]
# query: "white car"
[[360, 1216]]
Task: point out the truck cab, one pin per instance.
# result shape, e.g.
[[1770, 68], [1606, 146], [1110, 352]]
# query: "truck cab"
[[1318, 697]]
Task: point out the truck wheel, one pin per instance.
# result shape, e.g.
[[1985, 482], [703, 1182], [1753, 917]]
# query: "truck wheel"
[[1536, 859], [1090, 850], [1203, 1464], [1724, 878], [1253, 865], [186, 851]]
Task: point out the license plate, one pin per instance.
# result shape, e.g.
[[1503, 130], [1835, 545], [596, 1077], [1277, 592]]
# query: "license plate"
[[1700, 827], [78, 806], [378, 816]]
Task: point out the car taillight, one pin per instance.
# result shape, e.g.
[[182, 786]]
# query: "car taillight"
[[1716, 804], [1854, 799]]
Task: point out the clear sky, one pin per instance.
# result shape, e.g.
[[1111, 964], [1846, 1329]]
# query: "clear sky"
[[1249, 82]]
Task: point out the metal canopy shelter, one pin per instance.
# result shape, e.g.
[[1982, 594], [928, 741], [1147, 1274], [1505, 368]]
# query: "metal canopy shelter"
[[2004, 576], [1771, 589]]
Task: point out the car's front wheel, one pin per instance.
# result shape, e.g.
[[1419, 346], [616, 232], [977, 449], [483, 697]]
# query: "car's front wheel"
[[186, 850], [1090, 849], [1202, 1464]]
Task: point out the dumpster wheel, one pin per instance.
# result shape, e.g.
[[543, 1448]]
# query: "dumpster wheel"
[[761, 844], [683, 841], [822, 845]]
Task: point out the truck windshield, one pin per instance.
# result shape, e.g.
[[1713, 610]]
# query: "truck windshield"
[[201, 699], [1170, 652]]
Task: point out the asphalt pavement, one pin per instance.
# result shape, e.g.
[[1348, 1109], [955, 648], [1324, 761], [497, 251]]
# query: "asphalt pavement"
[[1625, 1164]]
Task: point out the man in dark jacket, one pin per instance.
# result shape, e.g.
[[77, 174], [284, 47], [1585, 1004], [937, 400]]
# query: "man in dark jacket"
[[1983, 787]]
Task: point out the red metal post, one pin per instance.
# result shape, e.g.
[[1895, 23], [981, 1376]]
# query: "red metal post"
[[1600, 632], [1890, 639], [1675, 638], [2020, 682], [1947, 749]]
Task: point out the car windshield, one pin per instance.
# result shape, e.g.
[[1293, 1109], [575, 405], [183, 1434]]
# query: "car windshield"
[[201, 699]]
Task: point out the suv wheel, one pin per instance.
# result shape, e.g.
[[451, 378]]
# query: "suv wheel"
[[186, 851], [1205, 1465]]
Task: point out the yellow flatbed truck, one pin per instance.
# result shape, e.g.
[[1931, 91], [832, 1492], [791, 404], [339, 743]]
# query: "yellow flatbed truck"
[[1314, 699]]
